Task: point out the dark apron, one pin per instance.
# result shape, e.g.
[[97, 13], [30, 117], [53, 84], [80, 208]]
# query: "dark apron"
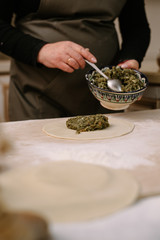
[[40, 92]]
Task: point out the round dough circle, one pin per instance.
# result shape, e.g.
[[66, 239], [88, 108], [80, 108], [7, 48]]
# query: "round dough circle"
[[68, 191], [118, 127]]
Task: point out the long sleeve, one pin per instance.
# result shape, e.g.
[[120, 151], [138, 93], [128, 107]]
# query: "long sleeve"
[[14, 43], [135, 31]]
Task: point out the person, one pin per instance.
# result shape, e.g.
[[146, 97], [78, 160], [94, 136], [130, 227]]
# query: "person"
[[48, 42]]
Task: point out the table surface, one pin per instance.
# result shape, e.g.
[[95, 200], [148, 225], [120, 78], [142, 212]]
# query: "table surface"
[[136, 152]]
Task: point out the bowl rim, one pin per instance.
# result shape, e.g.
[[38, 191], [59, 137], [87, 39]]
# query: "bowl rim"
[[111, 91]]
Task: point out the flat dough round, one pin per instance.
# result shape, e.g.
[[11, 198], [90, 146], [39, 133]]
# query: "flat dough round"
[[67, 191], [118, 127]]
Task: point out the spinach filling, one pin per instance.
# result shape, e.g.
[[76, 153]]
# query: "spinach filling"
[[88, 123], [130, 79]]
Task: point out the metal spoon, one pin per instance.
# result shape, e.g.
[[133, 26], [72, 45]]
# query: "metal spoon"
[[113, 84]]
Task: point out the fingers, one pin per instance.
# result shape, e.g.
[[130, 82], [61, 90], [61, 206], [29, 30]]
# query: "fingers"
[[85, 53], [130, 64], [66, 68], [65, 55], [78, 54], [73, 63], [75, 59]]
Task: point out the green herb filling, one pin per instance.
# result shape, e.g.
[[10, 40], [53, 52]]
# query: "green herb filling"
[[88, 123]]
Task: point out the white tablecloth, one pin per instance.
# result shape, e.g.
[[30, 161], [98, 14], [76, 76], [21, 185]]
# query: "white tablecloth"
[[141, 221], [137, 152]]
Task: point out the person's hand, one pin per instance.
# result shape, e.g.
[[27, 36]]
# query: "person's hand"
[[64, 55], [129, 64]]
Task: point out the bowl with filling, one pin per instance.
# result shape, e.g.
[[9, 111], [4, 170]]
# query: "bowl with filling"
[[133, 85]]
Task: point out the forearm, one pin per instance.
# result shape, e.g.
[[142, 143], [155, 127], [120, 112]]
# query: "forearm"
[[17, 45], [135, 31], [14, 43]]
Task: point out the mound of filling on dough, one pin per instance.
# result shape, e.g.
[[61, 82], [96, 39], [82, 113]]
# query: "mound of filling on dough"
[[88, 123]]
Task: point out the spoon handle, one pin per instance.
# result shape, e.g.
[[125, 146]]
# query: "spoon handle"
[[97, 69]]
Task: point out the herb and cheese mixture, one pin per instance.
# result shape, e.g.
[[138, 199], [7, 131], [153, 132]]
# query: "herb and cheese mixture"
[[88, 123], [130, 78]]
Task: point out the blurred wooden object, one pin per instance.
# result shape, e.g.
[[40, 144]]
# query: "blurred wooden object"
[[4, 89], [23, 226]]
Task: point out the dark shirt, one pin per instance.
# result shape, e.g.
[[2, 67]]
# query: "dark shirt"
[[133, 23]]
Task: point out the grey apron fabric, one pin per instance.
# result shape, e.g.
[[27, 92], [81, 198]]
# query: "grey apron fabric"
[[45, 93]]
